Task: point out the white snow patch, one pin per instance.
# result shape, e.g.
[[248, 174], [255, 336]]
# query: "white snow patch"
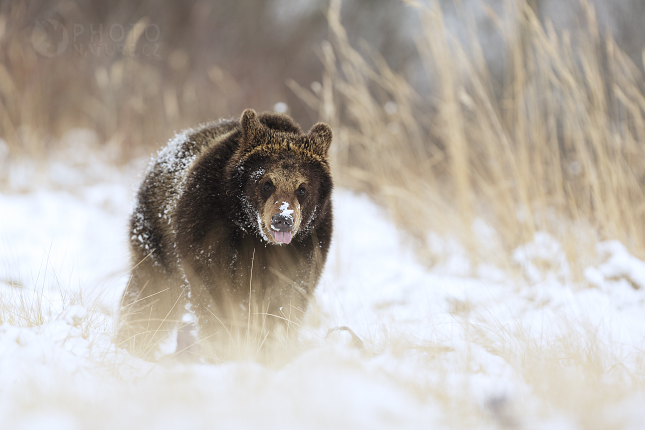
[[542, 259], [74, 315], [256, 175], [260, 229], [280, 107], [430, 334], [285, 211], [451, 255], [619, 264]]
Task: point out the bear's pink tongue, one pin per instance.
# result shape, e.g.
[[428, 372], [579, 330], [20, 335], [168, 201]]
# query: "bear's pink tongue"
[[282, 236]]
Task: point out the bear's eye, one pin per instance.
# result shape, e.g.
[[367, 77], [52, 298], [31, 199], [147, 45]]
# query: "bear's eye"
[[267, 186], [301, 191]]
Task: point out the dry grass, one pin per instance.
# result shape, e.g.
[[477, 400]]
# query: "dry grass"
[[47, 301], [133, 102], [556, 149]]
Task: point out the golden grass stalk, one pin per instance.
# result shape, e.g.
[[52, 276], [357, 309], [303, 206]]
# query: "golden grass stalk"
[[557, 149]]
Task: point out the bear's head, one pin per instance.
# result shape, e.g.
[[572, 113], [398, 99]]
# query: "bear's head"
[[282, 174]]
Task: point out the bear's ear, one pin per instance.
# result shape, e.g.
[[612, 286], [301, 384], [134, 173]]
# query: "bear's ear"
[[320, 135], [251, 128]]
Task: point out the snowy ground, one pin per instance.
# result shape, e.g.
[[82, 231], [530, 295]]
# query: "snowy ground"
[[443, 349]]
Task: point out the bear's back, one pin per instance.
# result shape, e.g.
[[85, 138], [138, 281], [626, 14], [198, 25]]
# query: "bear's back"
[[151, 221]]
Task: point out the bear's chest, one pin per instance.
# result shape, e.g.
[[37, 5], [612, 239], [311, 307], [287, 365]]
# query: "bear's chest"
[[269, 267]]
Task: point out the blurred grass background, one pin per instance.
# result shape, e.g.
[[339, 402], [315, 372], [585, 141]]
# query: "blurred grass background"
[[485, 120], [136, 71]]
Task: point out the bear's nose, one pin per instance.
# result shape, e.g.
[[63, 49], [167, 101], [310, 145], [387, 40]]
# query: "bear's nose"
[[281, 222]]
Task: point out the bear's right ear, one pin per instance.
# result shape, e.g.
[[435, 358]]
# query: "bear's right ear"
[[321, 137], [251, 128]]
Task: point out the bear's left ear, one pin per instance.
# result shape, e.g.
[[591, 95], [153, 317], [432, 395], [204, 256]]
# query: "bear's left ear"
[[251, 128], [321, 136]]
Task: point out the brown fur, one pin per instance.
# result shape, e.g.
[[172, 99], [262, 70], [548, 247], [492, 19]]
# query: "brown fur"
[[201, 236]]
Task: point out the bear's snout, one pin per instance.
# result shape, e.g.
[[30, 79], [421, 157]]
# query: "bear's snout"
[[281, 222]]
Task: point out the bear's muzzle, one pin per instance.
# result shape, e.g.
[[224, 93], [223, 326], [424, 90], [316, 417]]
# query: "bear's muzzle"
[[281, 226]]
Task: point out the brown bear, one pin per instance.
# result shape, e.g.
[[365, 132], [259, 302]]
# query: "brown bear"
[[230, 232]]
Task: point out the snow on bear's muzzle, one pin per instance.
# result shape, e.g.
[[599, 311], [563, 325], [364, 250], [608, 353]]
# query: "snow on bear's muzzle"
[[282, 224]]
